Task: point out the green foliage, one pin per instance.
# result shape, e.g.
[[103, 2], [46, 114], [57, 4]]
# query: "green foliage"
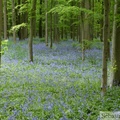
[[66, 11], [22, 8], [17, 27], [42, 39], [96, 43], [38, 40], [4, 46], [19, 51], [64, 39], [76, 45], [89, 44]]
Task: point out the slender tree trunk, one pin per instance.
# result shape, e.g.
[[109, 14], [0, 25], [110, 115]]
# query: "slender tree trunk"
[[87, 22], [34, 25], [115, 77], [62, 31], [83, 44], [19, 19], [66, 31], [55, 27], [24, 19], [101, 24], [46, 23], [71, 28], [5, 19], [13, 19], [92, 20], [79, 25], [105, 54], [40, 21], [83, 32], [51, 27], [73, 31], [109, 35], [0, 27], [33, 14]]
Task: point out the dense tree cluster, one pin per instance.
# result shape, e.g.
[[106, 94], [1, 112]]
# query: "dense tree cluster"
[[55, 20]]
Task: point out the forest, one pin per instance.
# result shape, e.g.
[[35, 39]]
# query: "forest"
[[59, 59]]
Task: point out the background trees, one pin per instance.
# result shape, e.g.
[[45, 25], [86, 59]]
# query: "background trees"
[[66, 18], [70, 73]]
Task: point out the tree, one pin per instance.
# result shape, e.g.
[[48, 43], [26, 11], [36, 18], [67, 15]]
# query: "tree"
[[40, 20], [22, 18], [105, 47], [46, 23], [115, 77], [87, 21], [5, 19], [0, 28], [51, 27], [13, 20], [82, 29], [32, 22]]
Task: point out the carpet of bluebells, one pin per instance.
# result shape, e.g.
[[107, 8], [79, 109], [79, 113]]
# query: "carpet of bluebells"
[[58, 85]]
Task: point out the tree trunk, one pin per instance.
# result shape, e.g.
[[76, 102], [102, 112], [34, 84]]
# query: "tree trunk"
[[13, 20], [105, 47], [55, 27], [46, 23], [34, 21], [92, 20], [5, 19], [82, 29], [0, 27], [116, 47], [40, 21], [33, 14], [23, 19], [18, 21], [87, 22], [101, 25], [51, 27], [62, 31], [79, 34]]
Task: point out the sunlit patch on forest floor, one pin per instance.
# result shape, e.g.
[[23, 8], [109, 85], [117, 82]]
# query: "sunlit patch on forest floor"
[[58, 85]]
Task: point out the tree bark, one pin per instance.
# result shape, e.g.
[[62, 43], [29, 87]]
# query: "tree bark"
[[51, 27], [87, 22], [0, 27], [24, 19], [83, 31], [33, 14], [13, 20], [115, 76], [34, 20], [46, 23], [5, 19], [105, 47], [40, 21]]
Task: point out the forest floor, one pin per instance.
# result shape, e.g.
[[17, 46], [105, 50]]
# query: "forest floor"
[[58, 85]]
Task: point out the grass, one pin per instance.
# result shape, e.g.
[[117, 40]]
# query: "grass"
[[56, 86]]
